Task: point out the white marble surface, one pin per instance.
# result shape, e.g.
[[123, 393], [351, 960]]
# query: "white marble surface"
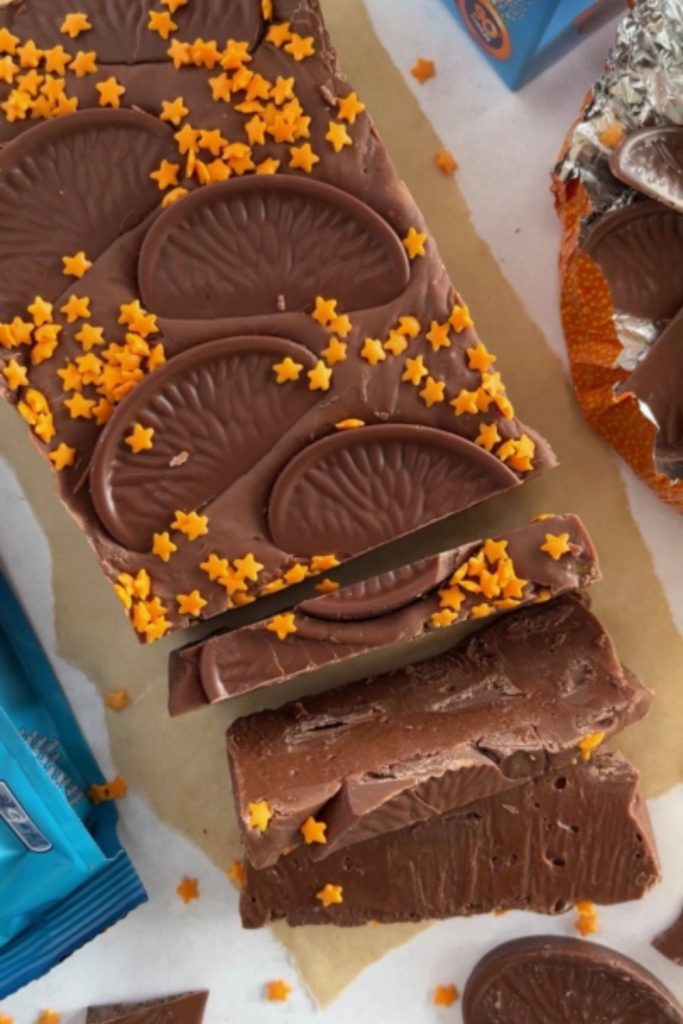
[[166, 946]]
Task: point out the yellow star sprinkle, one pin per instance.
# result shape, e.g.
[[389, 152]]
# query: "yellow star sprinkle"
[[330, 894], [337, 136], [445, 161], [373, 351], [349, 424], [161, 22], [300, 47], [556, 545], [325, 310], [77, 307], [16, 375], [110, 91], [445, 617], [166, 174], [340, 325], [287, 370], [423, 70], [313, 831], [282, 625], [465, 402], [140, 440], [248, 568], [62, 457], [437, 336], [84, 63], [74, 24], [409, 326], [414, 371], [259, 815], [488, 436], [414, 243], [460, 319], [335, 351], [303, 158], [319, 377], [162, 545], [445, 995], [76, 266], [590, 743], [40, 311], [349, 108], [190, 604], [433, 392], [479, 358], [278, 991], [215, 567], [191, 524]]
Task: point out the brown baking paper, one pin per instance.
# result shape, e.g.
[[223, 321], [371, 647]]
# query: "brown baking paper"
[[179, 765]]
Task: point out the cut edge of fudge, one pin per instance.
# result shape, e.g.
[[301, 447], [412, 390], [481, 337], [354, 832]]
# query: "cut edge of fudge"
[[184, 1008]]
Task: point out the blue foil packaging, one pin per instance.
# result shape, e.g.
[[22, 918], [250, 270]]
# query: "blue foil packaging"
[[64, 876]]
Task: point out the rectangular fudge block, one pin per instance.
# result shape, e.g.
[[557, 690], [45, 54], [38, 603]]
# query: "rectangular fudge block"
[[387, 612], [531, 690], [236, 341], [579, 834]]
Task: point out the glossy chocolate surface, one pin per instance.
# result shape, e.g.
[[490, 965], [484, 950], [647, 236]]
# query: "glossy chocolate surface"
[[232, 272], [651, 161], [565, 981], [582, 833], [371, 615], [187, 1008], [375, 756]]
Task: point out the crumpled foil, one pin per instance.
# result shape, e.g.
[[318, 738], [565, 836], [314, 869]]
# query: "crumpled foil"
[[642, 86]]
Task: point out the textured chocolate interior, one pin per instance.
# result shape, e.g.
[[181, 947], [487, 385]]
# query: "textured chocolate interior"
[[232, 271], [375, 614], [377, 755], [539, 846], [187, 1008], [551, 978]]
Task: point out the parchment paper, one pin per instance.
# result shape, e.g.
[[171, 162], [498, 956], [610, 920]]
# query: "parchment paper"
[[179, 766]]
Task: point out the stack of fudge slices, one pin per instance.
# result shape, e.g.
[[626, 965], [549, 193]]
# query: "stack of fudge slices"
[[238, 348]]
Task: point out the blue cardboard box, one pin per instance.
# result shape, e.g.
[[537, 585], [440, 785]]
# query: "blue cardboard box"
[[521, 38]]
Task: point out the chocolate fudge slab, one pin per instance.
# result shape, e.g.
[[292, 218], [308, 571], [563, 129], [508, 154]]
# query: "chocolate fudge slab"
[[551, 978], [670, 942], [563, 836], [379, 613], [222, 410], [187, 1008], [379, 754]]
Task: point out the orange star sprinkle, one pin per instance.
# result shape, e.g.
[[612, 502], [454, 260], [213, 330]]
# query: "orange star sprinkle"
[[337, 135], [74, 24], [49, 1017], [279, 34], [414, 243], [433, 392], [313, 831], [117, 700], [437, 335], [190, 604], [188, 889], [481, 611], [248, 568], [465, 402], [16, 375], [340, 325], [114, 790], [350, 107], [445, 161], [173, 111], [278, 991], [77, 265], [76, 307], [321, 563], [612, 134], [300, 47], [215, 567], [166, 174], [259, 815], [191, 524], [495, 550], [590, 743], [445, 995], [236, 873], [349, 424], [90, 336], [373, 351], [187, 139], [556, 545], [282, 625], [488, 436], [319, 377], [303, 158], [587, 920], [335, 352], [414, 371], [84, 63], [110, 91], [173, 196], [8, 42], [479, 358], [162, 23], [460, 318], [174, 5], [62, 457], [40, 311], [326, 586], [445, 617], [395, 343], [451, 598], [409, 326], [80, 407], [140, 440], [423, 70], [330, 894], [287, 370], [325, 310]]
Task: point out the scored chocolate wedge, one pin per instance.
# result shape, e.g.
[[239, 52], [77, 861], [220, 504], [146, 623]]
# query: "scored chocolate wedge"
[[579, 833], [187, 1008], [393, 612], [529, 691]]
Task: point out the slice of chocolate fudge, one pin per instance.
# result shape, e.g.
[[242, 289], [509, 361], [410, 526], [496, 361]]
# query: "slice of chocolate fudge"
[[389, 613], [563, 836], [187, 1008], [222, 315], [531, 691]]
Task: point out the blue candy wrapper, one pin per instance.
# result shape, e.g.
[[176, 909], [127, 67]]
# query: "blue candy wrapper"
[[64, 876]]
